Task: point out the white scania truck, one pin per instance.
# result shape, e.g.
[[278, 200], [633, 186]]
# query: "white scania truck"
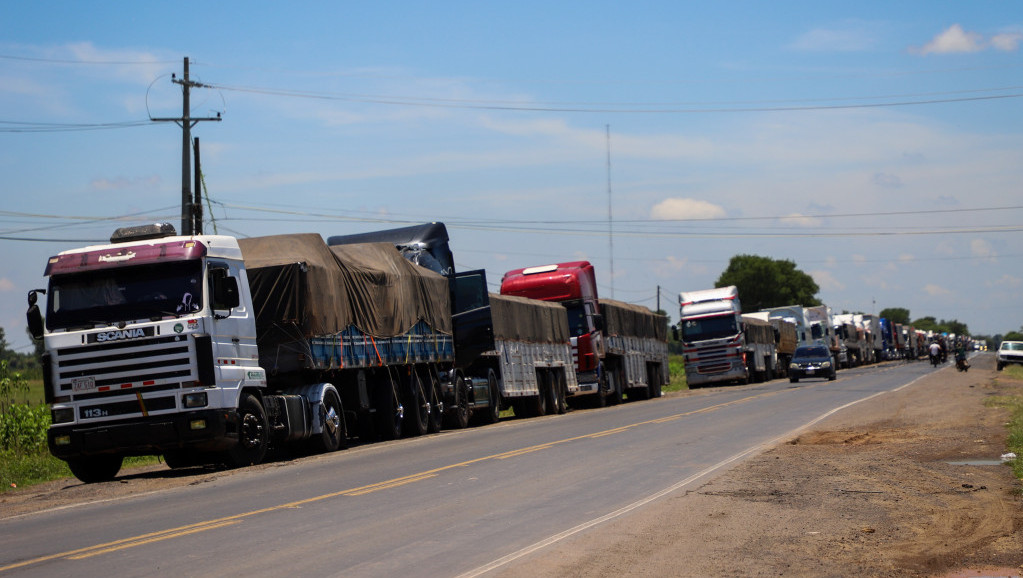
[[207, 349]]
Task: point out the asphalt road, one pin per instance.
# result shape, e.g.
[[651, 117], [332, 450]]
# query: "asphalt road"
[[456, 503]]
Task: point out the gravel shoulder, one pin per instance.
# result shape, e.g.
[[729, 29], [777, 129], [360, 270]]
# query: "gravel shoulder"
[[867, 492]]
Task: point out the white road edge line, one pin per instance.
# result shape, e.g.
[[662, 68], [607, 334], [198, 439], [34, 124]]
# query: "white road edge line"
[[660, 494]]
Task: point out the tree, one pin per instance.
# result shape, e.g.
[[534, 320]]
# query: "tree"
[[898, 315], [764, 282]]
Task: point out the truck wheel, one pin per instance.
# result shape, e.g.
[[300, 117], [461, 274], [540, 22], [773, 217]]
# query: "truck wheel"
[[618, 382], [600, 400], [494, 411], [458, 416], [537, 405], [654, 388], [253, 434], [436, 421], [562, 390], [334, 435], [552, 392], [418, 419], [95, 469], [390, 412]]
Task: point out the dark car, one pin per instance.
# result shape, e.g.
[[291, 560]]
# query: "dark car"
[[812, 361]]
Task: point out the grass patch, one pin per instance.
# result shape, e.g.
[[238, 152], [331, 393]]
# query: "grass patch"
[[677, 373], [1014, 404]]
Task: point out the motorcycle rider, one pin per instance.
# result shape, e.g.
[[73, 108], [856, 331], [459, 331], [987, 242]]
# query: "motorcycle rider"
[[935, 350]]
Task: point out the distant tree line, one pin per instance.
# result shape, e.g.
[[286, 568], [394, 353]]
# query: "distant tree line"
[[27, 364]]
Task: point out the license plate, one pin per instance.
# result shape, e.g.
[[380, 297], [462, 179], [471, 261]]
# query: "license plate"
[[83, 383], [809, 371]]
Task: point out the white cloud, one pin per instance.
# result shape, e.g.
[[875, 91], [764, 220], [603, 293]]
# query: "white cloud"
[[1007, 42], [849, 37], [1006, 281], [936, 290], [983, 249], [800, 220], [676, 208], [6, 284], [826, 281], [671, 265], [953, 40], [906, 258]]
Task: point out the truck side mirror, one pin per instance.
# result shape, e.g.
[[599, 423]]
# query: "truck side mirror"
[[674, 332], [598, 322], [34, 316], [225, 292]]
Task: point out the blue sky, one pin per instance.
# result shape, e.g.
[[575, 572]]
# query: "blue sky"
[[877, 145]]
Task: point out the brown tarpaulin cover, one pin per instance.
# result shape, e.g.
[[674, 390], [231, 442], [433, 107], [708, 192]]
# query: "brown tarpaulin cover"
[[298, 280], [626, 319], [529, 320]]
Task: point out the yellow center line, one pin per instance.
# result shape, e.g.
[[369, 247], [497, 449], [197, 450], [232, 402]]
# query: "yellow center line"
[[166, 536], [107, 547]]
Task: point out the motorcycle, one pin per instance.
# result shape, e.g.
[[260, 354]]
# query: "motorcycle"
[[935, 359], [961, 363]]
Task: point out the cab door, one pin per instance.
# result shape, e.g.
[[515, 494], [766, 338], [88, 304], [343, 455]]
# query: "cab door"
[[472, 324]]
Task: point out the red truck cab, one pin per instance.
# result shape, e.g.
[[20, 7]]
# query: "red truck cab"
[[574, 285]]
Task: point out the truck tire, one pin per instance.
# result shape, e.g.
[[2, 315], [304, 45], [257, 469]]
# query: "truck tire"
[[335, 433], [253, 434], [390, 412], [458, 414], [552, 391], [537, 405], [600, 399], [95, 469], [618, 382], [493, 413], [417, 420], [562, 390], [436, 422]]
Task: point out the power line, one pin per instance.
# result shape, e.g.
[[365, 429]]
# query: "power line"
[[597, 108], [21, 126]]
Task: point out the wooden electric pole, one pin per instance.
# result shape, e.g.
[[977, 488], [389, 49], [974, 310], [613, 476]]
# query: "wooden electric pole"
[[186, 122]]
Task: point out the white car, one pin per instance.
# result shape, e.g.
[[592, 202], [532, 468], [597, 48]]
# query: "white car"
[[1010, 352]]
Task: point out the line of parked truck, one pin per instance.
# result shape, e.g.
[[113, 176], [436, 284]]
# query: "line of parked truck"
[[721, 344], [210, 349]]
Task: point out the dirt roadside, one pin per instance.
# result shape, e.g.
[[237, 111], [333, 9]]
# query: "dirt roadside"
[[867, 492]]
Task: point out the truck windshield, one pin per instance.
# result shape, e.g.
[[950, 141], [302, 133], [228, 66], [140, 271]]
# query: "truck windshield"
[[124, 294], [709, 328], [576, 318]]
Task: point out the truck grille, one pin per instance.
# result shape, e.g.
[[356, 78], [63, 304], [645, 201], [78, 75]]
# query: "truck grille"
[[161, 363]]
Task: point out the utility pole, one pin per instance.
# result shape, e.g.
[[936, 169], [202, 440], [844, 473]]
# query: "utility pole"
[[186, 122], [610, 219]]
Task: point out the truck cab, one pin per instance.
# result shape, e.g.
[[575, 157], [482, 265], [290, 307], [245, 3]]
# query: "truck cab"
[[150, 343], [574, 285]]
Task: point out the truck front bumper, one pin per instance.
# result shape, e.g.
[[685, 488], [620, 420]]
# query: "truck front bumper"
[[204, 430]]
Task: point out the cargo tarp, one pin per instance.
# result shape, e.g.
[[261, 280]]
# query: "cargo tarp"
[[758, 331], [626, 319], [298, 280], [529, 320]]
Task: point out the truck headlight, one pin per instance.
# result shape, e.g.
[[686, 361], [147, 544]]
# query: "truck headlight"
[[194, 399], [62, 415]]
